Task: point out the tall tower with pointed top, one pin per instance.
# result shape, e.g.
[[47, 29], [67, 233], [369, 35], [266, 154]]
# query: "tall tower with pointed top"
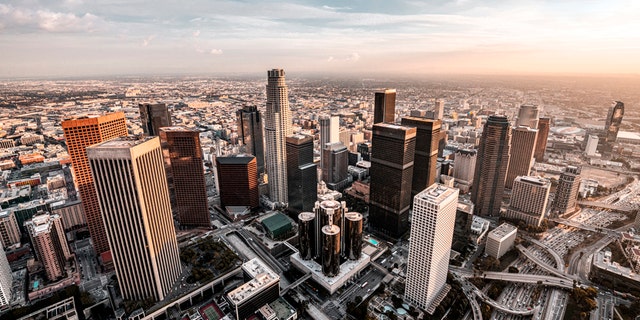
[[276, 128]]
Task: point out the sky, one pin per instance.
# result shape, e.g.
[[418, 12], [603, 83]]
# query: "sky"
[[49, 38]]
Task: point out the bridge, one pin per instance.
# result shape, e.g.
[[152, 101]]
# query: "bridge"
[[470, 290], [553, 253], [551, 281], [544, 265], [296, 283], [601, 205]]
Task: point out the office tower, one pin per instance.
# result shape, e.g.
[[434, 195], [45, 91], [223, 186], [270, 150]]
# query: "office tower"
[[523, 145], [491, 166], [134, 201], [187, 172], [528, 116], [329, 133], [541, 141], [384, 109], [327, 212], [438, 112], [6, 280], [500, 240], [566, 196], [330, 250], [464, 165], [336, 162], [529, 199], [306, 235], [592, 146], [250, 131], [238, 180], [391, 171], [79, 134], [352, 235], [614, 119], [302, 173], [263, 288], [364, 148], [49, 243], [432, 224], [9, 230], [277, 128], [154, 116], [426, 154]]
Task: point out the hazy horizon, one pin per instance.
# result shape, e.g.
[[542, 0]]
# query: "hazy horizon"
[[77, 38]]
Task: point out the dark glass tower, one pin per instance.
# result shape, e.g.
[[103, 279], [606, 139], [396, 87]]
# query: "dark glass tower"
[[250, 131], [385, 106], [391, 171], [154, 116], [491, 166], [541, 140], [302, 176], [336, 162], [426, 155], [238, 180], [614, 119]]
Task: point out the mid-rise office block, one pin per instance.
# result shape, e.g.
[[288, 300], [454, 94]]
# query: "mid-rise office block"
[[523, 145], [6, 280], [154, 116], [277, 128], [9, 230], [592, 145], [614, 120], [238, 180], [432, 224], [529, 198], [50, 244], [566, 196], [187, 172], [336, 162], [263, 288], [79, 134], [544, 124], [464, 165], [302, 173], [134, 201], [391, 172], [250, 130], [491, 166], [426, 154], [72, 215], [528, 116], [500, 240], [384, 109]]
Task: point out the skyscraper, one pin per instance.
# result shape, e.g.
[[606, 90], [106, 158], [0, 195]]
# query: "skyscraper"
[[251, 132], [189, 188], [327, 212], [393, 149], [432, 224], [154, 116], [614, 119], [491, 166], [592, 145], [277, 128], [384, 109], [438, 112], [329, 133], [541, 141], [336, 162], [6, 280], [528, 116], [529, 199], [523, 145], [49, 243], [463, 167], [79, 134], [9, 229], [134, 201], [426, 154], [566, 195], [238, 180], [302, 173]]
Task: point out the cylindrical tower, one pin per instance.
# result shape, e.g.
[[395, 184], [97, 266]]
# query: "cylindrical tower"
[[352, 235], [328, 212], [330, 250], [306, 237]]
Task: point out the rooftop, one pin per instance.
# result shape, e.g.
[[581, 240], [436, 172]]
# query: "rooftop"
[[502, 231], [436, 193], [263, 278], [534, 180], [122, 142]]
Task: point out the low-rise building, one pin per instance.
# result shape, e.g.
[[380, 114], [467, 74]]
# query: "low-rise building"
[[500, 240]]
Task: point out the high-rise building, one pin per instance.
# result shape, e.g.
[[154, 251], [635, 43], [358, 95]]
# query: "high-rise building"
[[238, 180], [438, 112], [306, 235], [432, 224], [528, 116], [251, 132], [9, 230], [529, 199], [187, 172], [491, 166], [330, 250], [134, 201], [336, 162], [426, 154], [154, 116], [592, 145], [302, 173], [500, 240], [384, 109], [393, 149], [277, 128], [614, 119], [566, 196], [463, 168], [79, 134], [50, 244], [523, 145], [352, 235], [6, 280], [327, 212], [329, 133], [544, 125]]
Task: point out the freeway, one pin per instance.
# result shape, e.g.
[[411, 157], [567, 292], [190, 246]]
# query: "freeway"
[[515, 277], [554, 254], [601, 205], [543, 265]]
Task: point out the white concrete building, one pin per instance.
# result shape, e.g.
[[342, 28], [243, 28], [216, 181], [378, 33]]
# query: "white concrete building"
[[592, 146], [500, 240], [6, 280]]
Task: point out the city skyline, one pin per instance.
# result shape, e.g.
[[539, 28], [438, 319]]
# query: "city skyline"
[[78, 38]]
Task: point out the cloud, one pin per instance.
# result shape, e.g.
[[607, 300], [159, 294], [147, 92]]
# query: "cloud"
[[196, 33], [216, 51], [147, 41], [353, 57], [27, 20]]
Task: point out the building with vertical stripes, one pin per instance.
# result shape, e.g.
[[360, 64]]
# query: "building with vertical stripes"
[[523, 146], [302, 173], [426, 155], [329, 133], [250, 130], [134, 200], [238, 180], [6, 280], [384, 109], [154, 116], [544, 125], [50, 244], [529, 200], [566, 196]]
